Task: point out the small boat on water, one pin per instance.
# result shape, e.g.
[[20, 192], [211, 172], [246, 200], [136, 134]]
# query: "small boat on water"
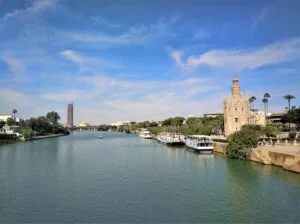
[[202, 144], [146, 134], [170, 139], [100, 136]]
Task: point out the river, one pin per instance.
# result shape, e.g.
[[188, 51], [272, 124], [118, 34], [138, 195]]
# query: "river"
[[122, 178]]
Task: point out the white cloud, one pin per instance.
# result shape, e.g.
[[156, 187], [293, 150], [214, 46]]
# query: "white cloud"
[[261, 16], [11, 99], [242, 59], [138, 34], [68, 96], [36, 7], [16, 66], [87, 63], [71, 55]]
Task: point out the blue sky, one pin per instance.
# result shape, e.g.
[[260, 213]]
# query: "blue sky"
[[138, 60]]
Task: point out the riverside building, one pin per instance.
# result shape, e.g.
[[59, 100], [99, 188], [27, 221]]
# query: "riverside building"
[[70, 116], [236, 110]]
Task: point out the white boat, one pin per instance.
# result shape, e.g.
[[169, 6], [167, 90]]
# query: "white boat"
[[200, 143], [100, 136], [170, 139], [146, 134]]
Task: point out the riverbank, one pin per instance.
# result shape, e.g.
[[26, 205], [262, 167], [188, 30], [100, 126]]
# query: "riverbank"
[[285, 156], [47, 136]]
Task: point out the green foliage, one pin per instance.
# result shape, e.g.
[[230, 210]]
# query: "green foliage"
[[53, 117], [10, 122], [26, 132], [153, 124], [104, 127], [292, 116], [240, 143], [48, 124], [270, 130]]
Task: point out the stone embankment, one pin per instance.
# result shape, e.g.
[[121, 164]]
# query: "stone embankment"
[[288, 157], [47, 136], [285, 156]]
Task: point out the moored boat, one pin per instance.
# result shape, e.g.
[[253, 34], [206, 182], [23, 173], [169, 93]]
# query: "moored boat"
[[170, 139], [146, 134], [200, 143]]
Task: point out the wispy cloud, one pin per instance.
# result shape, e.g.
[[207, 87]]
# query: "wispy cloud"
[[138, 34], [36, 7], [69, 95], [242, 59], [16, 67], [86, 62], [260, 16]]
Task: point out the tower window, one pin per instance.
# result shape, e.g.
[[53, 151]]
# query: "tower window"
[[235, 109], [236, 120], [242, 109]]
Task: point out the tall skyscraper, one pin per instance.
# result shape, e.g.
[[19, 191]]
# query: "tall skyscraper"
[[70, 116]]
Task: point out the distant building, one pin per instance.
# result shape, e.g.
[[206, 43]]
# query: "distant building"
[[236, 110], [214, 114], [275, 118], [70, 116], [120, 123], [83, 124], [257, 117], [4, 117]]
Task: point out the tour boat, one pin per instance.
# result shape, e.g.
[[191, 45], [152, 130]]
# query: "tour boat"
[[100, 136], [170, 139], [146, 134], [200, 143]]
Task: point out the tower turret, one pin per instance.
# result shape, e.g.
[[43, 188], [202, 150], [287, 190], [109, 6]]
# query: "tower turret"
[[235, 90]]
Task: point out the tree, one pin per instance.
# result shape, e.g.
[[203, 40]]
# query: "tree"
[[293, 116], [14, 113], [10, 121], [241, 142], [153, 124], [267, 96], [265, 101], [167, 122], [270, 130], [53, 117], [177, 121], [289, 97], [251, 100]]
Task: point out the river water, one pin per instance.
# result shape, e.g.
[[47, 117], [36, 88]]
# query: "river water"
[[122, 178]]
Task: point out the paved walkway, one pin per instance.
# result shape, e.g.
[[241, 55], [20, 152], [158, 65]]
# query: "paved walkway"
[[285, 149]]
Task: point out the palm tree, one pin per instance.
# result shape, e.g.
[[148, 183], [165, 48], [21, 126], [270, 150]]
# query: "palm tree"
[[265, 101], [267, 96], [289, 97], [251, 100], [14, 113]]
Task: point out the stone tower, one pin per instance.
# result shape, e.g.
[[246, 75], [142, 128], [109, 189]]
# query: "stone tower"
[[236, 110]]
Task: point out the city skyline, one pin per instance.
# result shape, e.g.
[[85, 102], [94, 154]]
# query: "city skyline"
[[145, 60]]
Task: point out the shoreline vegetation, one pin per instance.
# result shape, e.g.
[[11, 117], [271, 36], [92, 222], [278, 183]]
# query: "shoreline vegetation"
[[32, 129], [239, 144]]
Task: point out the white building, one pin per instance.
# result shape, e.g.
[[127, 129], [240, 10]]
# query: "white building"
[[120, 123], [4, 117], [83, 124]]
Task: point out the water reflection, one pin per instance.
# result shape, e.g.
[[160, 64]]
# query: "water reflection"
[[203, 162]]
